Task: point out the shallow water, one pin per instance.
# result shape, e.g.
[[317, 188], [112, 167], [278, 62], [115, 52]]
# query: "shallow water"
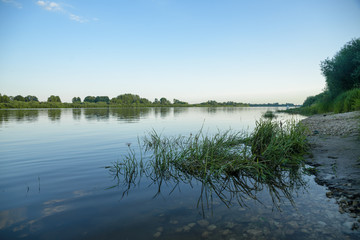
[[55, 182]]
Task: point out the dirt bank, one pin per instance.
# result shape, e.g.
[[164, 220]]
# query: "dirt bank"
[[335, 152]]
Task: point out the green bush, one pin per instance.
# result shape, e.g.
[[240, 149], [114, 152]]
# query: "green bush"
[[339, 103], [352, 97], [347, 101], [342, 72], [357, 104]]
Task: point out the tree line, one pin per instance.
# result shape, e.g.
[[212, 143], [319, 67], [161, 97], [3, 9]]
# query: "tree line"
[[342, 76], [127, 99]]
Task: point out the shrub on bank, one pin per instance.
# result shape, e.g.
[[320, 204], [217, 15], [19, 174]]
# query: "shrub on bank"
[[347, 101]]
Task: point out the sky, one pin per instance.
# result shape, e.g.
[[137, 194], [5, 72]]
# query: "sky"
[[260, 51]]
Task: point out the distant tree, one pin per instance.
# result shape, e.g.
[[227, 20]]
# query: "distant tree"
[[76, 100], [19, 98], [4, 99], [102, 99], [89, 99], [127, 99], [30, 98], [53, 98], [212, 103], [164, 101], [342, 72], [145, 101], [230, 103], [156, 101], [176, 101]]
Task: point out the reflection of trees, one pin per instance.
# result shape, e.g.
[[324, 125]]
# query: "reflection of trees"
[[124, 114], [54, 114], [19, 115], [76, 113], [213, 110], [97, 113], [162, 111], [234, 109], [180, 110], [130, 114]]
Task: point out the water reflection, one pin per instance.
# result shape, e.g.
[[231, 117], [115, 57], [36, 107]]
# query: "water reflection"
[[130, 115], [19, 115], [97, 114], [54, 114], [230, 189], [76, 113], [214, 110], [162, 112], [180, 110]]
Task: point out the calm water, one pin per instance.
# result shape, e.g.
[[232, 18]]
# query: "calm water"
[[55, 182]]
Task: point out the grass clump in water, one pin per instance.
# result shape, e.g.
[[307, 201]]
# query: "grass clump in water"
[[231, 165], [278, 144], [271, 148], [269, 114]]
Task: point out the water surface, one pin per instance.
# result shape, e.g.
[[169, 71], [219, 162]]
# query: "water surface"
[[55, 182]]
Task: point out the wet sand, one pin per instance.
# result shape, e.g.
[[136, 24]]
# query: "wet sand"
[[335, 153]]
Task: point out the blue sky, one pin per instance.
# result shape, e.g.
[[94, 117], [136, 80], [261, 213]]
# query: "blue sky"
[[192, 50]]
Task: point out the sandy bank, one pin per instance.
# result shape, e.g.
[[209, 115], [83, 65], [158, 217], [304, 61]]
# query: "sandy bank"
[[335, 152]]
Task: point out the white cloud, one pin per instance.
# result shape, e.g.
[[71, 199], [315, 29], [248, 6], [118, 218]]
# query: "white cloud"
[[13, 2], [77, 18], [56, 7], [49, 6]]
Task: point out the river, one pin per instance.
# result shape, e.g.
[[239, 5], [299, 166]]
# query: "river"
[[56, 182]]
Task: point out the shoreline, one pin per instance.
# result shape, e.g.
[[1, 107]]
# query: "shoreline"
[[335, 154]]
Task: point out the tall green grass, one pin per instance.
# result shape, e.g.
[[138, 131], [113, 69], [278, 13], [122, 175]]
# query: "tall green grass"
[[347, 101], [278, 144], [273, 145], [228, 164]]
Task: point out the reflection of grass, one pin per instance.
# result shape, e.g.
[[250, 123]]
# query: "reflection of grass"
[[229, 164]]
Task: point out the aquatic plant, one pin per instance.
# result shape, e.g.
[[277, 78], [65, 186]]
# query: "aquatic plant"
[[231, 165], [269, 114], [278, 144]]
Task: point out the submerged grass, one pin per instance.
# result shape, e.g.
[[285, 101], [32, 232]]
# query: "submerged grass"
[[229, 164], [269, 114]]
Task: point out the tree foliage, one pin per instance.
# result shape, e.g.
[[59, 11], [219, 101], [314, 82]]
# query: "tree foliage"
[[127, 99], [342, 72], [102, 99], [55, 99], [19, 98], [76, 100], [164, 101], [89, 99], [4, 99], [30, 98], [178, 102]]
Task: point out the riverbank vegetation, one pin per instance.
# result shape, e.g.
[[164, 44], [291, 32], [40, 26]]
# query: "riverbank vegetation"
[[123, 100], [342, 91], [267, 156]]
